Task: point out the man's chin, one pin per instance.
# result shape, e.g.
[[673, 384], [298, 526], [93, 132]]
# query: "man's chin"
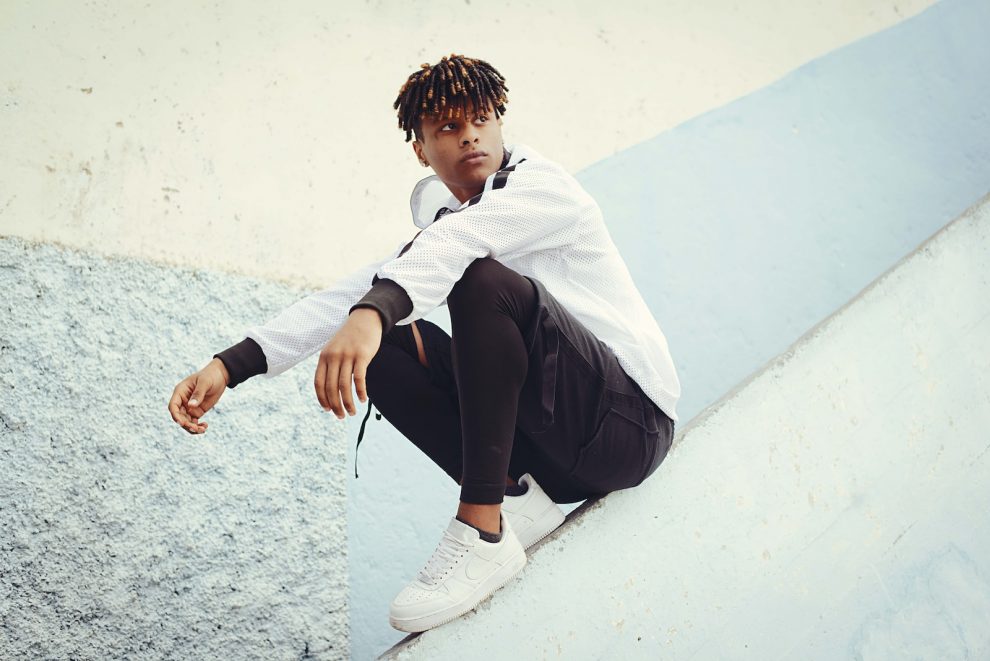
[[478, 178], [488, 170]]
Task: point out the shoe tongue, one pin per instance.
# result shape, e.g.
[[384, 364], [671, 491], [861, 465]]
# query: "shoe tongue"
[[462, 531]]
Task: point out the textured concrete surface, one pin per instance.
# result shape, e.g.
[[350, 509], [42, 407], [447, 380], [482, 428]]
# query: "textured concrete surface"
[[832, 507], [122, 536]]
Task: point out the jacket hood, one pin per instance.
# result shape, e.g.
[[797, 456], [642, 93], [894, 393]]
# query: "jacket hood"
[[431, 194]]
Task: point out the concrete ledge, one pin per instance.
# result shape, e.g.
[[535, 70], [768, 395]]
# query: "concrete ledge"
[[831, 506]]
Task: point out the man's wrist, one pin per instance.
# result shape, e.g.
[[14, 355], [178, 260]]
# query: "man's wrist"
[[242, 361], [391, 301], [368, 312], [223, 370]]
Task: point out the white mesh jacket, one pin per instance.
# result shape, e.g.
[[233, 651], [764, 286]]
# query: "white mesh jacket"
[[534, 218]]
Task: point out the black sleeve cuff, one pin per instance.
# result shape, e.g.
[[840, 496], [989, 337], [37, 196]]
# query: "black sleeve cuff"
[[391, 301], [243, 360]]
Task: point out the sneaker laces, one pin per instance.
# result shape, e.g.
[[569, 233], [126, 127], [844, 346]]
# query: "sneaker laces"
[[446, 554]]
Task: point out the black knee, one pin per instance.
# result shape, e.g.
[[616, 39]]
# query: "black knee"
[[402, 337], [396, 344], [482, 276]]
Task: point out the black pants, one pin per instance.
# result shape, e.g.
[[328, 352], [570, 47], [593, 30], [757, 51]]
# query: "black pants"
[[522, 386]]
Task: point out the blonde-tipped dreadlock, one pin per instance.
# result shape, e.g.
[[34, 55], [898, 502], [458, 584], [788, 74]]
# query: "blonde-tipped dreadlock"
[[446, 89]]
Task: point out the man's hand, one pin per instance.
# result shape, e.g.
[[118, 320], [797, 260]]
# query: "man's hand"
[[196, 394], [348, 352]]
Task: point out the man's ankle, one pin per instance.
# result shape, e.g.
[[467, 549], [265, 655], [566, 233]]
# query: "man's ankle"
[[488, 536], [481, 516]]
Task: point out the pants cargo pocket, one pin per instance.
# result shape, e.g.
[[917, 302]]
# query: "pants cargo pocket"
[[618, 454]]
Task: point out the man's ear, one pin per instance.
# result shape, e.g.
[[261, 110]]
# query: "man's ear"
[[418, 148]]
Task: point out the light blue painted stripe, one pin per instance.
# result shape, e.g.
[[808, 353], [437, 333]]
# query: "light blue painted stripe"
[[747, 225]]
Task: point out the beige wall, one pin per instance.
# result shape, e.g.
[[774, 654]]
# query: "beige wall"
[[262, 140]]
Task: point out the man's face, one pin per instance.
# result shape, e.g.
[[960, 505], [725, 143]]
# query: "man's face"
[[463, 151]]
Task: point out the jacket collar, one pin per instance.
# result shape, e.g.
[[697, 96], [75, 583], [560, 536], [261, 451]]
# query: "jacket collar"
[[431, 195]]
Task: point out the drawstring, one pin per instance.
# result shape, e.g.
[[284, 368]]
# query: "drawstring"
[[378, 416]]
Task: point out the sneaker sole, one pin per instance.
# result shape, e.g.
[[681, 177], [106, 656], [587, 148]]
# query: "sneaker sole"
[[420, 624], [546, 523]]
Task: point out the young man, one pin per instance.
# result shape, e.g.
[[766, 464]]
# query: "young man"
[[556, 373]]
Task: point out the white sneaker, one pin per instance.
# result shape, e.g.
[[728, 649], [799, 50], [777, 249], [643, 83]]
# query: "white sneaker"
[[463, 571], [533, 515]]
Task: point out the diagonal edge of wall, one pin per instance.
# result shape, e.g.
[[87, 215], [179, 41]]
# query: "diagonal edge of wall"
[[539, 598], [980, 206]]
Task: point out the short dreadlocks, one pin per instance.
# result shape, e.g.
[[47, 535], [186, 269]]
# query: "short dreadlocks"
[[446, 88]]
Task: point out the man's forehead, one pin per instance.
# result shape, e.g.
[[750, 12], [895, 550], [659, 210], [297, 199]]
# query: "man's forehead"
[[467, 110]]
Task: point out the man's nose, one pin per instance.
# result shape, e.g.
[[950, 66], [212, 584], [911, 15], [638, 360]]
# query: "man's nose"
[[470, 133]]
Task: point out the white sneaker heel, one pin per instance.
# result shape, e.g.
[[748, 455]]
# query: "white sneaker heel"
[[533, 515]]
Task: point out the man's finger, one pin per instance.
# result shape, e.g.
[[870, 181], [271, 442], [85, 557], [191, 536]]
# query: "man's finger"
[[360, 370], [319, 383], [176, 405], [191, 424], [346, 369], [198, 393], [333, 397], [173, 407]]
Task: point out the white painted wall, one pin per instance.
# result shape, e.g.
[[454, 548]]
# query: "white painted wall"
[[834, 506], [260, 138]]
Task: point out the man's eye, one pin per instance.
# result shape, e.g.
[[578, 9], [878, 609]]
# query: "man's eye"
[[448, 124], [482, 118]]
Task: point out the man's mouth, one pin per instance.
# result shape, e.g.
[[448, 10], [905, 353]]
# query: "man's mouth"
[[472, 156]]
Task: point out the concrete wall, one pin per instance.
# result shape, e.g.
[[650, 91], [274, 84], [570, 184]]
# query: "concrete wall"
[[218, 138], [122, 536], [832, 507]]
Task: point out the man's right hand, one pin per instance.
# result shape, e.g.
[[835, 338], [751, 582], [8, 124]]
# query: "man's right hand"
[[196, 394]]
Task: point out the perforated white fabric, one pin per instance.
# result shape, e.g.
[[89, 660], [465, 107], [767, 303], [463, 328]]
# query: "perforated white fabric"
[[304, 327], [534, 218]]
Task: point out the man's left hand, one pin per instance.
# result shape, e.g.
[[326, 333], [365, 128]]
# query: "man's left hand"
[[348, 353]]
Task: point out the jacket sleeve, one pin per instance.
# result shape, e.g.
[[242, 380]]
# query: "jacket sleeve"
[[388, 298], [538, 208], [299, 330]]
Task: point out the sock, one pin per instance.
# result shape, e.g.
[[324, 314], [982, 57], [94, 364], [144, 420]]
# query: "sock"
[[515, 489], [485, 535]]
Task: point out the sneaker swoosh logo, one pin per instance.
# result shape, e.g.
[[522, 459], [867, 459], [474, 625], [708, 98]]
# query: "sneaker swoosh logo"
[[477, 568]]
